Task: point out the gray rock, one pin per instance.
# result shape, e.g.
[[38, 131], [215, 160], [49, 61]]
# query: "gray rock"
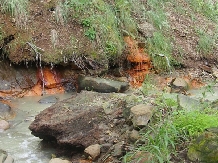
[[4, 108], [215, 72], [101, 85], [134, 136], [58, 160], [83, 119], [93, 151], [141, 114], [142, 157], [118, 149], [105, 147], [3, 156], [178, 85], [15, 77], [188, 103], [49, 99]]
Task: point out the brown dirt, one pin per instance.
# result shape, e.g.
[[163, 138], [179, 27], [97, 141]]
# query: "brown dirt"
[[42, 30], [183, 28]]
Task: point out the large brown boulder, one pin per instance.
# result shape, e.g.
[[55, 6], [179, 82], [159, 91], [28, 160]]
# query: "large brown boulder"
[[84, 119]]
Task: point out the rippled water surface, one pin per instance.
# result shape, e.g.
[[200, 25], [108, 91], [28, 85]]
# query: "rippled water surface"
[[18, 141]]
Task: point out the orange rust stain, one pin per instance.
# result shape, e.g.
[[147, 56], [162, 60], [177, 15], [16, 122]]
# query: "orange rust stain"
[[139, 60], [49, 77], [51, 80]]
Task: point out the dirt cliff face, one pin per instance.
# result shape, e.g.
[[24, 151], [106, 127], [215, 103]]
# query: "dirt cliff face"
[[43, 38], [46, 35]]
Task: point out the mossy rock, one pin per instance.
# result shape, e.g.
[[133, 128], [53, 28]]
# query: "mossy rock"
[[204, 148]]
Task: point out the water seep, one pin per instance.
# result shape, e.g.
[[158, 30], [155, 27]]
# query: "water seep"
[[168, 62]]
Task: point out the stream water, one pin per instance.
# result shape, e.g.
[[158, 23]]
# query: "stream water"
[[18, 141]]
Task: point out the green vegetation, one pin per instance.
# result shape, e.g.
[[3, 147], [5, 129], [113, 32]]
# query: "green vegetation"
[[206, 43], [104, 24], [148, 85], [17, 8], [160, 43], [208, 8], [171, 128], [156, 14], [194, 122], [160, 49]]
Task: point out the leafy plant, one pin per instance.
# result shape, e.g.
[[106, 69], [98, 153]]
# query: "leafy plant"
[[111, 48], [90, 33], [86, 22]]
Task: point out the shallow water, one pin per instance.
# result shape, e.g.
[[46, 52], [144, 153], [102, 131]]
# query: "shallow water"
[[18, 141]]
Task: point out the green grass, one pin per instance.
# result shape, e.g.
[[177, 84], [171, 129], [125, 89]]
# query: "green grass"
[[159, 44], [156, 14], [148, 85], [170, 127], [17, 8], [194, 122], [101, 23], [206, 43], [206, 7], [160, 143]]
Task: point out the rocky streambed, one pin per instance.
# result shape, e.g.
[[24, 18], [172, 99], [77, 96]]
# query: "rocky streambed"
[[98, 124]]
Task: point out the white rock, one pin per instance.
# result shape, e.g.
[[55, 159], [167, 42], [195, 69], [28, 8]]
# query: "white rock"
[[93, 151], [58, 160], [4, 125], [180, 82]]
